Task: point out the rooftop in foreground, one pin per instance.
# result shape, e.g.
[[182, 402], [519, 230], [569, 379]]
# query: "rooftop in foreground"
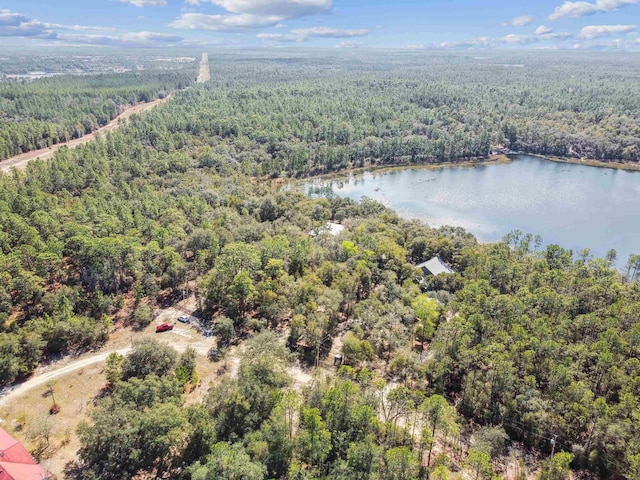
[[15, 461]]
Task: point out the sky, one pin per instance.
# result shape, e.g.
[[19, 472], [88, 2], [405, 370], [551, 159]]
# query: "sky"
[[407, 24]]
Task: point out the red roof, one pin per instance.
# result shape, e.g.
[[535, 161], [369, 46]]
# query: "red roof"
[[22, 471], [6, 440], [15, 461]]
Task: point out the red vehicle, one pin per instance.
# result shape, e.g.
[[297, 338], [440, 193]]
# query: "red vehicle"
[[164, 327]]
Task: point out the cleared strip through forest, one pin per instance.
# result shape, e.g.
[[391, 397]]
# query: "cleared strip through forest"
[[204, 75], [46, 153], [21, 160]]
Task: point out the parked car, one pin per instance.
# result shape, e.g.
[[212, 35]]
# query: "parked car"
[[184, 318], [164, 327]]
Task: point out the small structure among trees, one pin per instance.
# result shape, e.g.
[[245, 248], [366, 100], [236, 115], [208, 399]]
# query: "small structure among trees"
[[435, 266], [329, 227]]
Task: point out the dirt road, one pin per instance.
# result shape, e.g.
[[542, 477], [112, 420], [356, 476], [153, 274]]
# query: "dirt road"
[[205, 73], [180, 342], [21, 160], [9, 393], [181, 337], [45, 153]]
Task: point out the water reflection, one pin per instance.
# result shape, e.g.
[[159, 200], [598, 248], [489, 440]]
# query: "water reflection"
[[575, 206]]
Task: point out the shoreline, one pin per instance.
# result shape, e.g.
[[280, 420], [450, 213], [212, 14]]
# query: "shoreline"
[[497, 159], [629, 167], [321, 185], [490, 160]]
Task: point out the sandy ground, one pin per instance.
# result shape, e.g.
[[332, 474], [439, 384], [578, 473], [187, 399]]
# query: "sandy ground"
[[181, 337], [204, 75], [29, 413], [79, 382]]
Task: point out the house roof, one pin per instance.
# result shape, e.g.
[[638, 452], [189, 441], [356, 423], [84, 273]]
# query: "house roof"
[[6, 440], [329, 227], [435, 266], [16, 453], [22, 471], [12, 450], [15, 461]]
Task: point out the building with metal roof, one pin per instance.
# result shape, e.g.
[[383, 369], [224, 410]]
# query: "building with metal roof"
[[15, 461], [435, 266]]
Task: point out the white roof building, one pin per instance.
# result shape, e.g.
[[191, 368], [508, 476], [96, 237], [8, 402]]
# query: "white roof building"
[[331, 228], [435, 266]]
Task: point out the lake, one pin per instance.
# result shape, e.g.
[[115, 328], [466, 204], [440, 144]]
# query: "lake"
[[574, 206]]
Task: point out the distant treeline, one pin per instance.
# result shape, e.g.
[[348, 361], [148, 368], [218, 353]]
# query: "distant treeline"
[[309, 116], [48, 111]]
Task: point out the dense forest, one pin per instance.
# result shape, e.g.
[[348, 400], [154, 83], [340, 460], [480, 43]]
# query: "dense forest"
[[303, 116], [39, 113], [521, 347]]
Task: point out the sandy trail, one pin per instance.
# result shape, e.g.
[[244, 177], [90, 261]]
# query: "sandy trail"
[[9, 393], [45, 153], [205, 73], [181, 337], [21, 160]]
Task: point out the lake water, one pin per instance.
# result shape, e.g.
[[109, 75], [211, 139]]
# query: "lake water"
[[574, 206]]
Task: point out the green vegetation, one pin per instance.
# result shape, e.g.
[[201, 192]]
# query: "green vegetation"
[[44, 112], [304, 116], [522, 345]]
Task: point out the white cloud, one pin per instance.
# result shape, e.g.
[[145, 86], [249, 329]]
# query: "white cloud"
[[542, 30], [279, 37], [511, 40], [144, 3], [560, 36], [15, 24], [131, 39], [326, 32], [482, 42], [248, 15], [595, 31], [282, 8], [519, 21], [414, 46], [545, 33], [608, 45], [304, 34], [79, 28], [580, 9], [18, 25], [223, 23], [518, 39], [349, 44]]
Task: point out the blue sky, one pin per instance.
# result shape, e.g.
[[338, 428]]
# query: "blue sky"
[[411, 24]]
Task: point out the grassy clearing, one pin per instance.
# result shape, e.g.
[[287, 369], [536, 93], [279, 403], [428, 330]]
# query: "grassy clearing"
[[52, 438]]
